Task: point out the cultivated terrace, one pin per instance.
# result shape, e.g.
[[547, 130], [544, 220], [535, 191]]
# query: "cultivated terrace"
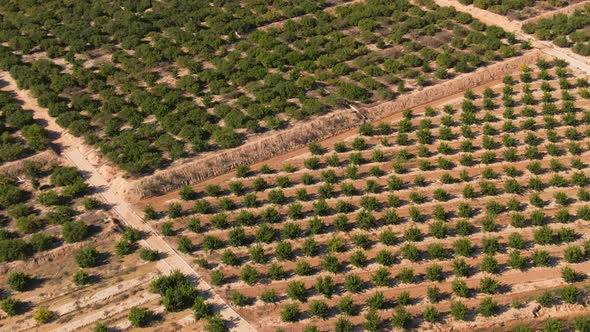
[[459, 211], [148, 82], [449, 215]]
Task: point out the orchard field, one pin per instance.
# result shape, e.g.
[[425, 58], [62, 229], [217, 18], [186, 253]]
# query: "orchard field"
[[331, 165], [522, 9], [66, 263], [149, 83], [572, 31], [468, 212]]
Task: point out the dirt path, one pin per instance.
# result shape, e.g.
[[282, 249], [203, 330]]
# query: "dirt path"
[[576, 61], [103, 294], [109, 311], [99, 296]]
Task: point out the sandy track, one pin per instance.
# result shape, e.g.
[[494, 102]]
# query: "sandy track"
[[106, 312], [30, 324], [103, 294], [100, 296]]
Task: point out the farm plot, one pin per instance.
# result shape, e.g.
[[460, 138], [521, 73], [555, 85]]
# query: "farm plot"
[[572, 31], [473, 214], [21, 136], [520, 10], [66, 264], [152, 83]]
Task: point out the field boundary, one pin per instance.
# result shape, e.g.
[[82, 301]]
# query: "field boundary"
[[563, 10], [319, 128], [15, 168], [454, 86], [264, 148]]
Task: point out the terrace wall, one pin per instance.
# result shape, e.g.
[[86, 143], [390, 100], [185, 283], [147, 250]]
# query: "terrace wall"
[[16, 168], [322, 127]]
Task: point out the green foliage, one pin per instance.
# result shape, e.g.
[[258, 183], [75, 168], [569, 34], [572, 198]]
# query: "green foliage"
[[290, 313], [14, 249], [11, 306], [459, 310], [185, 245], [319, 309], [87, 257], [269, 296], [176, 290], [19, 281], [100, 327], [41, 242], [401, 318], [215, 323], [124, 247], [43, 315], [81, 277], [249, 275], [63, 176], [140, 317], [488, 307], [74, 231]]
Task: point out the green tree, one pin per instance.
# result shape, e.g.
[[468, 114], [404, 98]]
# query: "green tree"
[[216, 323], [297, 291], [488, 307], [74, 231], [401, 318], [201, 309], [87, 257], [81, 278], [140, 317], [19, 281], [43, 315], [149, 255], [319, 309], [290, 313], [11, 306], [459, 310]]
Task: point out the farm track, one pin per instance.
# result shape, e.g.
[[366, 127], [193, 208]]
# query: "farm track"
[[103, 313], [62, 301], [103, 294]]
